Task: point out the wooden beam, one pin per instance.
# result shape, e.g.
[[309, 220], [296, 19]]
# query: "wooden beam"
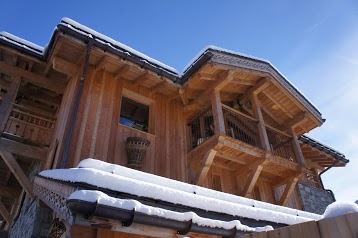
[[205, 166], [261, 124], [22, 149], [122, 70], [280, 105], [270, 114], [63, 66], [251, 181], [32, 77], [247, 168], [159, 86], [217, 85], [183, 96], [288, 191], [102, 64], [17, 172], [5, 213], [6, 106], [299, 118], [260, 86], [141, 78], [244, 81], [219, 124], [9, 192], [296, 147]]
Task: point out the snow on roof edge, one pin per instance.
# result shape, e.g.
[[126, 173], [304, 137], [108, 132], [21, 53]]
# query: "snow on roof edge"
[[130, 204], [107, 39], [22, 42], [141, 188]]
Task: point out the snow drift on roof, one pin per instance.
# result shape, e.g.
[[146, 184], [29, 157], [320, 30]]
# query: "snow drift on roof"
[[21, 42], [177, 193]]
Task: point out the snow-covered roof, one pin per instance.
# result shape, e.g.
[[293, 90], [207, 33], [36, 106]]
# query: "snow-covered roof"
[[129, 181]]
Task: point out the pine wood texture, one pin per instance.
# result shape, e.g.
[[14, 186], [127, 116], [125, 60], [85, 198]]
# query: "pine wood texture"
[[336, 227]]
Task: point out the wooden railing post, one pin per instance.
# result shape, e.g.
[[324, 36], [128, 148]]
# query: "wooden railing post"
[[261, 124], [219, 124], [296, 147]]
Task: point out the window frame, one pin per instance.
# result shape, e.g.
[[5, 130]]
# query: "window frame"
[[143, 100]]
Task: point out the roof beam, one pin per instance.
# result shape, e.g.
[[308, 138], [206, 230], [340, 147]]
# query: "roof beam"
[[159, 86], [16, 170], [32, 77], [65, 67], [280, 105], [6, 106], [205, 166], [299, 118], [122, 70], [259, 86], [141, 78], [270, 114]]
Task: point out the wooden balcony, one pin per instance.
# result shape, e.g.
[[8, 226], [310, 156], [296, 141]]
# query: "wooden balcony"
[[239, 150], [28, 128]]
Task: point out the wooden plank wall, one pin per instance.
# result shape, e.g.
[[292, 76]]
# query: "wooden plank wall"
[[336, 227], [98, 135], [294, 201]]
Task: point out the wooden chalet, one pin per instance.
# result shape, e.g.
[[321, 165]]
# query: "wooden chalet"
[[231, 123]]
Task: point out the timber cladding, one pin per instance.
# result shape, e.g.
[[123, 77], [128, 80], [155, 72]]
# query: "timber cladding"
[[98, 134], [336, 227]]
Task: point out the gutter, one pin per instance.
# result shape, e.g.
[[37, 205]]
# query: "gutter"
[[128, 217], [117, 51], [320, 179], [77, 103]]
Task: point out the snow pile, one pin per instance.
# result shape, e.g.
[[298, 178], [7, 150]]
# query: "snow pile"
[[173, 193], [128, 204], [189, 188], [21, 42], [339, 209]]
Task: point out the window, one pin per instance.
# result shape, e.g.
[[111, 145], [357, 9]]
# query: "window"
[[136, 111]]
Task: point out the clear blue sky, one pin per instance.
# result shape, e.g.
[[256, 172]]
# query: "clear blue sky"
[[313, 43]]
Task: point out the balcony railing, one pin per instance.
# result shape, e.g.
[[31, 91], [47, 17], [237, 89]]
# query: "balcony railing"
[[281, 143], [201, 128], [241, 127], [29, 128]]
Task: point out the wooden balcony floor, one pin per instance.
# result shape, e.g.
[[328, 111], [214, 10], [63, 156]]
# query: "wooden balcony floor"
[[235, 156]]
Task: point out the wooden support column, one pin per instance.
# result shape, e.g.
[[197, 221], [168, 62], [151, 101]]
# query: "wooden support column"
[[5, 213], [219, 124], [288, 191], [205, 166], [251, 181], [296, 147], [261, 124], [15, 168], [6, 106]]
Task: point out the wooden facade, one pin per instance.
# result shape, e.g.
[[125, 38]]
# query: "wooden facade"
[[231, 123]]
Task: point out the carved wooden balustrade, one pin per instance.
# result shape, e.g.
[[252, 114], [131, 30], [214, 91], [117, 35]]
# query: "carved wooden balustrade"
[[34, 129]]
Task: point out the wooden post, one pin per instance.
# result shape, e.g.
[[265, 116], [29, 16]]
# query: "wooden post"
[[296, 147], [251, 180], [5, 213], [6, 106], [218, 114], [205, 166], [288, 191], [261, 124], [17, 172]]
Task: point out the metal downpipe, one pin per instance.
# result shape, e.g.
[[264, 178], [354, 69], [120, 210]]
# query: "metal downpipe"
[[77, 103]]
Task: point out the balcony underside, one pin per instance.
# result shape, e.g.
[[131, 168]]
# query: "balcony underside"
[[239, 158]]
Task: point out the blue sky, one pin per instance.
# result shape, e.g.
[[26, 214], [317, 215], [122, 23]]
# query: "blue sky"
[[313, 43]]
